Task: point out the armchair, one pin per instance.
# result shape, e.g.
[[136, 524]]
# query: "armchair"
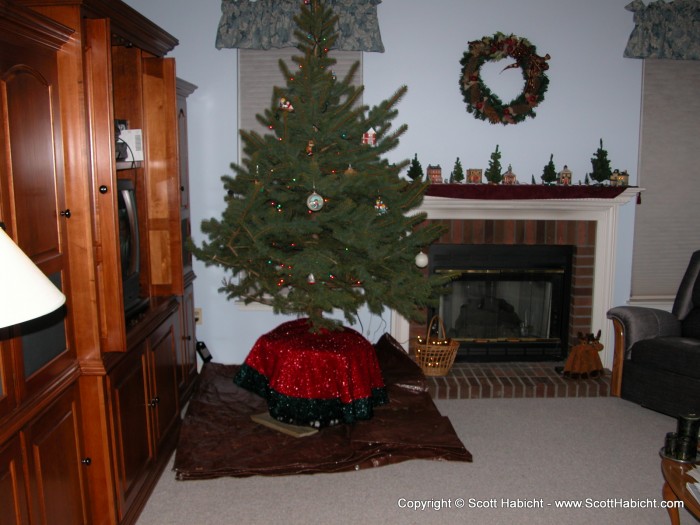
[[657, 353]]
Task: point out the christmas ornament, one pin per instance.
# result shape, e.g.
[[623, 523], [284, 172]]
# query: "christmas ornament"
[[369, 137], [285, 105], [380, 206], [310, 148], [314, 201], [311, 279], [350, 170], [481, 101], [421, 260]]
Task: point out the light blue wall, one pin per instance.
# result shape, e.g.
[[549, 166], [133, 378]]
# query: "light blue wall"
[[594, 93]]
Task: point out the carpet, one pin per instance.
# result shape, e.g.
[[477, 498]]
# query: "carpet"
[[218, 437]]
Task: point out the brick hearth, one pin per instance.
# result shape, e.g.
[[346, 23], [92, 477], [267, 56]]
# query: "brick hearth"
[[513, 380]]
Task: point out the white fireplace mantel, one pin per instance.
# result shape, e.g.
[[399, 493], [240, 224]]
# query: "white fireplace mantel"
[[603, 211]]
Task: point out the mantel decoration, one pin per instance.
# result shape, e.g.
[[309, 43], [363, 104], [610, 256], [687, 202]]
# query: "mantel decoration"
[[481, 101]]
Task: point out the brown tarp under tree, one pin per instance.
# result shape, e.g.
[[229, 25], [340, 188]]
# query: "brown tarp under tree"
[[218, 437]]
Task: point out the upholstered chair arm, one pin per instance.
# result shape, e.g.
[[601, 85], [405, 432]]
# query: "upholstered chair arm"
[[632, 324], [639, 323]]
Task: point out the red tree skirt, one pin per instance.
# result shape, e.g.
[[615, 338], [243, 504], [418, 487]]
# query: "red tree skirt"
[[315, 379]]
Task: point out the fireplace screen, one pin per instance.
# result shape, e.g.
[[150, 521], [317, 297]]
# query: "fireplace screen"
[[505, 302], [479, 307]]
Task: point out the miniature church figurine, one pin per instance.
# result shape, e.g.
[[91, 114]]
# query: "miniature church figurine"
[[565, 176]]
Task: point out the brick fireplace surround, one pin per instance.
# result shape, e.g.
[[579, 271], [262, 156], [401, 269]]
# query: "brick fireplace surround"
[[588, 223]]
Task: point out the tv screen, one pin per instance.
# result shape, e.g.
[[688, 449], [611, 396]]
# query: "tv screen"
[[129, 243]]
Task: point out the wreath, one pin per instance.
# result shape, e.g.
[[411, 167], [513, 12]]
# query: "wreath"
[[479, 98]]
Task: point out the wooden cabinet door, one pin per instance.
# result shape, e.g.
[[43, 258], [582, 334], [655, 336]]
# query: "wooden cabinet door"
[[187, 358], [56, 478], [164, 400], [13, 496], [33, 207], [98, 88], [160, 140], [133, 450]]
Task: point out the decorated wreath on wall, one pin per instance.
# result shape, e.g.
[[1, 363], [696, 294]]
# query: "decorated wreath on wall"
[[484, 104]]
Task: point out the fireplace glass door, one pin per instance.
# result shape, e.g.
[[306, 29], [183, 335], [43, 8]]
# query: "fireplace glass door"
[[480, 307], [505, 303]]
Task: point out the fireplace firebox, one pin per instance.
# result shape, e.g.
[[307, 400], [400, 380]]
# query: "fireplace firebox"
[[505, 302]]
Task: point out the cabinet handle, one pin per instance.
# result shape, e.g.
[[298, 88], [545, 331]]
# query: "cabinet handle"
[[154, 402], [86, 461], [103, 189], [65, 213], [187, 337]]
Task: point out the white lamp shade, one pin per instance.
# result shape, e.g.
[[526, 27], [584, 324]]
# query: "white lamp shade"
[[25, 292]]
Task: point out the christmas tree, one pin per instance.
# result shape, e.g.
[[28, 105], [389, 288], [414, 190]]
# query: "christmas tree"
[[415, 170], [549, 172], [601, 165], [316, 219], [493, 172], [457, 174]]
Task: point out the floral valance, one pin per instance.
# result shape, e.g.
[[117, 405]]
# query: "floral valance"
[[665, 30], [265, 24]]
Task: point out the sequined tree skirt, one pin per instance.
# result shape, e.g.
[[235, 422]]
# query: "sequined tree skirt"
[[314, 379]]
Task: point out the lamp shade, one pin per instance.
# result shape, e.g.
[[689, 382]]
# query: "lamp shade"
[[25, 292]]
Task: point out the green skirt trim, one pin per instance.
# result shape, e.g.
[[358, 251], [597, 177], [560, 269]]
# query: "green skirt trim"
[[317, 413]]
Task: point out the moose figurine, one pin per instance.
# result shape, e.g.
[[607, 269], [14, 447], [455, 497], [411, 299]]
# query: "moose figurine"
[[583, 361]]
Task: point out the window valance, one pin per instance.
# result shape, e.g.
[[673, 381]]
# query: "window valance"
[[266, 24], [668, 30]]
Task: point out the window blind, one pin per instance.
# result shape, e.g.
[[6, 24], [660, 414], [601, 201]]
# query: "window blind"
[[259, 71], [667, 224]]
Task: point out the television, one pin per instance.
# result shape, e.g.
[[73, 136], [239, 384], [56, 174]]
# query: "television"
[[129, 246]]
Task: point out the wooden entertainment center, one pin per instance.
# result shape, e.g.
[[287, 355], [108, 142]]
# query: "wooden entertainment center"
[[90, 398]]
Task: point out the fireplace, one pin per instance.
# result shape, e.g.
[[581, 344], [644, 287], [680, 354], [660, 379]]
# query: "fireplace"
[[583, 216], [505, 302]]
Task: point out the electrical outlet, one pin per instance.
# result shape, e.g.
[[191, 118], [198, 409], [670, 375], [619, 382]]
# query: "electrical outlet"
[[198, 315]]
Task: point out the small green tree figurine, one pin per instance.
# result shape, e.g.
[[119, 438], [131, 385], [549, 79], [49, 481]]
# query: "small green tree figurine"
[[493, 172], [415, 170], [601, 165], [457, 174], [549, 173]]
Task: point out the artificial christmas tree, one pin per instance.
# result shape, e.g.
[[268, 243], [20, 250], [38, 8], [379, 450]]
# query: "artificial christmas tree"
[[457, 174], [303, 233], [493, 172], [549, 172], [601, 165], [415, 170]]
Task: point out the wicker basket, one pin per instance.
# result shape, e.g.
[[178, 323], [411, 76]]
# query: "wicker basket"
[[436, 355]]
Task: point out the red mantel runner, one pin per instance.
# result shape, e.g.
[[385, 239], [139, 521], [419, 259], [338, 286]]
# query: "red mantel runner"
[[522, 191]]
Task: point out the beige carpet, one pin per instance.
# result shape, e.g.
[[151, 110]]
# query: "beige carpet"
[[552, 449]]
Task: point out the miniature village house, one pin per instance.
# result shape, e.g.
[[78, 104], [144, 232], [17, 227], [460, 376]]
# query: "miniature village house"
[[565, 176], [619, 178], [509, 177], [474, 175], [435, 174]]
